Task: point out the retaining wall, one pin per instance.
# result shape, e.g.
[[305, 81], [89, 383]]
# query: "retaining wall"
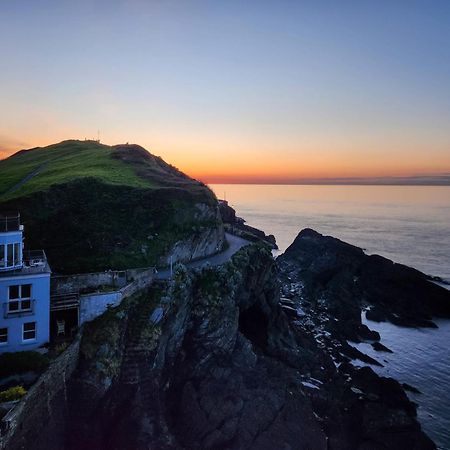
[[95, 304], [64, 284]]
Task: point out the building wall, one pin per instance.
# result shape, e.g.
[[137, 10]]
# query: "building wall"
[[11, 237], [40, 292]]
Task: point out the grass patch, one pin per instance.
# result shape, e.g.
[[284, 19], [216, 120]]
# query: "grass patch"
[[64, 162], [21, 362], [11, 394]]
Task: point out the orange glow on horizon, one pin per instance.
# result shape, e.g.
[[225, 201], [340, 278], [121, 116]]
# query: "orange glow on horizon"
[[271, 166]]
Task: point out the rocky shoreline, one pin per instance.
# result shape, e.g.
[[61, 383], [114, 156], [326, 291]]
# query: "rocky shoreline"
[[253, 354]]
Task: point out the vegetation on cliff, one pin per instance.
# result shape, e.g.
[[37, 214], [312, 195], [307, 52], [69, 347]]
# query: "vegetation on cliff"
[[94, 207]]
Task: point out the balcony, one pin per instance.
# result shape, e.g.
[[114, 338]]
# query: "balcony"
[[35, 258], [9, 222], [33, 262], [18, 308]]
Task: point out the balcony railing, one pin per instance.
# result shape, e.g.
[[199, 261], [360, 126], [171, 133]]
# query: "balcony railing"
[[33, 262], [18, 308], [34, 258], [9, 222]]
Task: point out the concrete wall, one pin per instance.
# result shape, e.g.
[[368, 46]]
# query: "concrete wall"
[[64, 284], [43, 407], [95, 304], [40, 293], [142, 280]]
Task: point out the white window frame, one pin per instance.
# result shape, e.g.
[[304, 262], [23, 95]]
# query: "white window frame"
[[16, 260], [4, 334], [28, 331], [19, 300], [2, 256]]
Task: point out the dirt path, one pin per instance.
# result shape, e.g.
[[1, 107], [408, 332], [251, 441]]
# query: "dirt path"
[[26, 179]]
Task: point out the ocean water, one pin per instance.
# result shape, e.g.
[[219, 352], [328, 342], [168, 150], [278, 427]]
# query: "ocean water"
[[421, 358], [408, 224]]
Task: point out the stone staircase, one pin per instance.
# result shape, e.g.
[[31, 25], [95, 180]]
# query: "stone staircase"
[[137, 361]]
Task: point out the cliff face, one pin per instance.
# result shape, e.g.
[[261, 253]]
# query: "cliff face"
[[191, 367], [203, 240], [236, 225], [214, 360]]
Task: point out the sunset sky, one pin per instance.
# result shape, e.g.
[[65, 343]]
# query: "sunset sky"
[[234, 91]]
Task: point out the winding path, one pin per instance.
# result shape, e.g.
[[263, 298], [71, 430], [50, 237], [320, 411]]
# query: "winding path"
[[235, 243], [26, 178]]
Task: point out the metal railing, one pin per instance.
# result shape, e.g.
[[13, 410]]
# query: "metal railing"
[[34, 258], [21, 311], [9, 222]]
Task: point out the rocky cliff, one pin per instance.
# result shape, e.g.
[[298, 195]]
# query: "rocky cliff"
[[216, 360], [342, 279], [237, 225]]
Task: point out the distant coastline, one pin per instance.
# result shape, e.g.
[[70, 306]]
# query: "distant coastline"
[[441, 180]]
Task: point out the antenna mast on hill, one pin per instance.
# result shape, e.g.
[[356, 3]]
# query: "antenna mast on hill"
[[98, 135]]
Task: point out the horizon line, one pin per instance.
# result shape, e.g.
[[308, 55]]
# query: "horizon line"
[[424, 180], [260, 183]]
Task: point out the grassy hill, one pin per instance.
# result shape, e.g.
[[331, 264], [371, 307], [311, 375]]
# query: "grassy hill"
[[95, 207], [126, 165]]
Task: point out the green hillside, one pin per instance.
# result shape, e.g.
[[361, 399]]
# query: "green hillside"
[[37, 169], [96, 207]]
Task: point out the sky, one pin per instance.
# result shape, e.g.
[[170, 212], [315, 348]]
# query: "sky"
[[235, 91]]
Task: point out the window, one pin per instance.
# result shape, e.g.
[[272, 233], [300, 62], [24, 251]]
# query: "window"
[[17, 254], [29, 331], [25, 291], [3, 336], [10, 255], [14, 292], [19, 298]]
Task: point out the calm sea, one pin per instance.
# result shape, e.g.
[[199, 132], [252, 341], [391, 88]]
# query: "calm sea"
[[408, 224]]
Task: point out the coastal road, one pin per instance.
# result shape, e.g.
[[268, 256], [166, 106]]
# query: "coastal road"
[[235, 243]]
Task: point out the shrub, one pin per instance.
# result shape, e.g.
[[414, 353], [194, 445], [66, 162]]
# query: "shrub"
[[21, 362], [13, 393]]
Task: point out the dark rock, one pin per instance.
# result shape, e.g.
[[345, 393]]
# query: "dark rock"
[[212, 361], [380, 347], [236, 225], [354, 353], [408, 387], [341, 276]]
